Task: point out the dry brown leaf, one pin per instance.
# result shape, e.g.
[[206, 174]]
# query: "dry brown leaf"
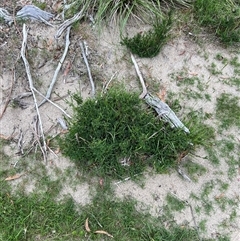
[[87, 226], [192, 73], [220, 196], [103, 232], [162, 94], [6, 137], [101, 182], [16, 176]]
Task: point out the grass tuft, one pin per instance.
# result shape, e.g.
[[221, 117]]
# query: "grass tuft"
[[116, 135], [118, 11], [148, 44]]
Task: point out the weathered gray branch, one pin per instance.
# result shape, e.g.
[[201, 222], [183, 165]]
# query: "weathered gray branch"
[[88, 69], [68, 23], [27, 12], [29, 76], [161, 108], [54, 79], [63, 111], [144, 92]]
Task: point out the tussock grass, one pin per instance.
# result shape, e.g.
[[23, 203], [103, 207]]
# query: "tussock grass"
[[119, 11]]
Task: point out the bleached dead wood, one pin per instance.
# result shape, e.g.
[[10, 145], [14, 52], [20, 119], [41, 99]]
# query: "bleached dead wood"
[[183, 174], [29, 76], [58, 107], [68, 23], [54, 79], [105, 87], [6, 16], [27, 12], [163, 110], [88, 69]]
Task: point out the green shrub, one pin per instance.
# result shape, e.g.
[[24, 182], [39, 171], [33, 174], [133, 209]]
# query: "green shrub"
[[116, 127], [148, 44]]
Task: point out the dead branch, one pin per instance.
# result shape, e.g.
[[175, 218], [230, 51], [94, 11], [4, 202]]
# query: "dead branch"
[[163, 110], [191, 209], [105, 87], [144, 92], [45, 98], [27, 67], [66, 24], [88, 68], [20, 141], [27, 12], [54, 79]]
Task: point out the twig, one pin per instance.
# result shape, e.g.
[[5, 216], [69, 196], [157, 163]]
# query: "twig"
[[27, 67], [63, 111], [48, 95], [144, 92], [181, 172], [194, 221], [20, 142], [105, 87], [62, 123], [191, 209], [88, 69]]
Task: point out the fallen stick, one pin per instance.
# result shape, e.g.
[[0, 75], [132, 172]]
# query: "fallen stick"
[[27, 12], [105, 87], [66, 24], [27, 67], [88, 69], [191, 209], [20, 142], [63, 111], [54, 79], [163, 110], [144, 92]]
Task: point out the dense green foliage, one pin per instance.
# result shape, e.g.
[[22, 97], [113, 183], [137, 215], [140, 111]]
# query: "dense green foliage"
[[116, 127], [148, 44]]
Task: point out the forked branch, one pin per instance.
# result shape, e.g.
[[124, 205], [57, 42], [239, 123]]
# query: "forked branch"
[[29, 76], [163, 110], [88, 69]]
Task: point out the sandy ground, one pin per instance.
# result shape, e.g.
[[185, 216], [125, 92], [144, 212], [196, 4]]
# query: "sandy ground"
[[182, 56]]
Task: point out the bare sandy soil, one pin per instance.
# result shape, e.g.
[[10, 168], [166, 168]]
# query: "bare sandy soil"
[[183, 56]]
